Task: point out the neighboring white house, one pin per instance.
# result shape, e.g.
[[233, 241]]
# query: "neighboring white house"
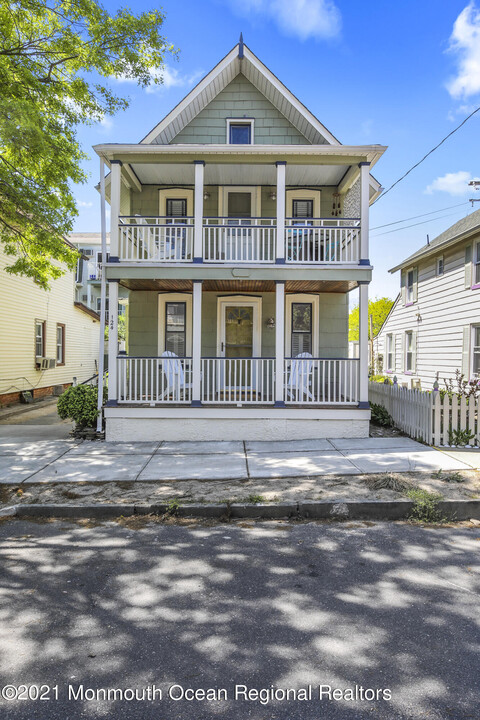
[[47, 338], [433, 328], [239, 225], [88, 276]]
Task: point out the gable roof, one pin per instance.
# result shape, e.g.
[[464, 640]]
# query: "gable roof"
[[459, 230], [240, 60]]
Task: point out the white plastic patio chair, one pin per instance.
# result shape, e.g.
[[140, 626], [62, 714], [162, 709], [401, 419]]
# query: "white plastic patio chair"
[[172, 368], [300, 377]]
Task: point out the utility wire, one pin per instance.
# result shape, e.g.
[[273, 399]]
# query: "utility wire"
[[414, 225], [425, 156], [414, 217]]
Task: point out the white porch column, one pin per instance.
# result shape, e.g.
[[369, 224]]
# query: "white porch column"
[[364, 211], [197, 343], [198, 212], [281, 174], [279, 342], [363, 345], [116, 173], [112, 341]]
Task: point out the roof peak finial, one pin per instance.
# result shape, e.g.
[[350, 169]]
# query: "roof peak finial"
[[240, 46]]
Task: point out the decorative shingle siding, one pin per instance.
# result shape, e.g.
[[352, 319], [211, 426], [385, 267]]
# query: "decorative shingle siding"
[[240, 99], [351, 201]]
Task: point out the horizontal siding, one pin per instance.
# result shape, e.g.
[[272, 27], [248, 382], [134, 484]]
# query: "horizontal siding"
[[445, 307], [23, 302]]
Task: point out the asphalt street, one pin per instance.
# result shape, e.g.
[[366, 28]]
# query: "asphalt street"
[[261, 621]]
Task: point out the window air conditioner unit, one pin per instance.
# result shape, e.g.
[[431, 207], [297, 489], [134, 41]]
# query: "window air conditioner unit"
[[47, 363]]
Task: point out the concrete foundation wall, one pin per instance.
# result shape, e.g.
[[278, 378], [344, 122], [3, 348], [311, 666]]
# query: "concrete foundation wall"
[[139, 429]]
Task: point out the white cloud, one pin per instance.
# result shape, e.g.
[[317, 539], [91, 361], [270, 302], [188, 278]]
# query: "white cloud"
[[465, 43], [83, 204], [301, 18], [451, 183], [172, 77]]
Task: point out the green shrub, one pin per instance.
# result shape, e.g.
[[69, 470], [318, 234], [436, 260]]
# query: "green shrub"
[[380, 416], [425, 506], [79, 404]]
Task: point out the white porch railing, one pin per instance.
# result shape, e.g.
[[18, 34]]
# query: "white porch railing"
[[238, 381], [154, 380], [156, 239], [316, 381], [322, 240], [242, 240]]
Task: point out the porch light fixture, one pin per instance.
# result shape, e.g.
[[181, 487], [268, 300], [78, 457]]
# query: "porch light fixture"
[[270, 323], [206, 195], [273, 195]]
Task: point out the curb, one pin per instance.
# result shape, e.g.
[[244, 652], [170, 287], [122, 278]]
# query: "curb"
[[342, 510]]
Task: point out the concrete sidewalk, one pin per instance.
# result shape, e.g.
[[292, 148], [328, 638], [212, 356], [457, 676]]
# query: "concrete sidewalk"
[[68, 461]]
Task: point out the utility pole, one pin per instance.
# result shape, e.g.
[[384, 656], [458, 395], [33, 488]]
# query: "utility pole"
[[475, 184]]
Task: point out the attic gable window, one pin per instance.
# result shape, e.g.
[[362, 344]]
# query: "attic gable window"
[[239, 132]]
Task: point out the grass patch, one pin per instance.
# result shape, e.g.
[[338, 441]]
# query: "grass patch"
[[388, 482], [452, 477], [254, 499]]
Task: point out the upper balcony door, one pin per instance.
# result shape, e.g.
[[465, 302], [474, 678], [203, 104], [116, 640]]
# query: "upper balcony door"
[[239, 208]]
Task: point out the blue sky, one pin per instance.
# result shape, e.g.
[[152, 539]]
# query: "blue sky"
[[398, 74]]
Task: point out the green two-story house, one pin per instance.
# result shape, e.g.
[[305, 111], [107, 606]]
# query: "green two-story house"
[[239, 225]]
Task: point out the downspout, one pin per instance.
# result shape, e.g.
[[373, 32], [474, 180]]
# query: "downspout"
[[103, 293]]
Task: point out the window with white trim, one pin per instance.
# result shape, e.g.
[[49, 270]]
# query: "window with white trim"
[[175, 327], [389, 359], [409, 352], [240, 132], [476, 265], [440, 266], [39, 339], [409, 286], [60, 344], [476, 350]]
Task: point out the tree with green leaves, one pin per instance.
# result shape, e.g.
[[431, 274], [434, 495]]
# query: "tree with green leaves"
[[56, 57], [378, 308]]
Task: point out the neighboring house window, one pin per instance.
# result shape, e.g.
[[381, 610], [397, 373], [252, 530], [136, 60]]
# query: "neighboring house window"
[[175, 327], [240, 133], [476, 272], [410, 280], [40, 326], [440, 266], [476, 350], [176, 207], [60, 344], [302, 209], [389, 354], [301, 328], [79, 271], [409, 352]]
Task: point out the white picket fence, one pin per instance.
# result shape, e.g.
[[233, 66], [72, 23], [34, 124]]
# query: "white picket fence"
[[426, 415]]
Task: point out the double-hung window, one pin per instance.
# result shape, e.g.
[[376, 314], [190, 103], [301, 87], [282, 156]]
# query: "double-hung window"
[[40, 326], [175, 327], [409, 352], [440, 266], [390, 353], [301, 340], [302, 210], [177, 208], [60, 344], [476, 261], [410, 281], [476, 350]]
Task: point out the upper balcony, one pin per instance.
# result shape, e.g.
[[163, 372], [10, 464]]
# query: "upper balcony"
[[230, 240]]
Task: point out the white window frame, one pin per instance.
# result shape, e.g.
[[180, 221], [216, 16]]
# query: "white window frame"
[[409, 289], [241, 121], [314, 195], [389, 350], [174, 194], [302, 298], [165, 298], [476, 264], [441, 261], [411, 370], [43, 325], [60, 346], [473, 332]]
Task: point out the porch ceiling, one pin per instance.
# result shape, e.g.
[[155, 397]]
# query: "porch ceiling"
[[238, 174], [244, 286]]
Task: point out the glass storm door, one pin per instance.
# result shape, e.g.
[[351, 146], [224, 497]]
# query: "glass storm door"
[[238, 341]]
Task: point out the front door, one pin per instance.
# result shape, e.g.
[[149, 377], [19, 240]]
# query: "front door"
[[238, 323]]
